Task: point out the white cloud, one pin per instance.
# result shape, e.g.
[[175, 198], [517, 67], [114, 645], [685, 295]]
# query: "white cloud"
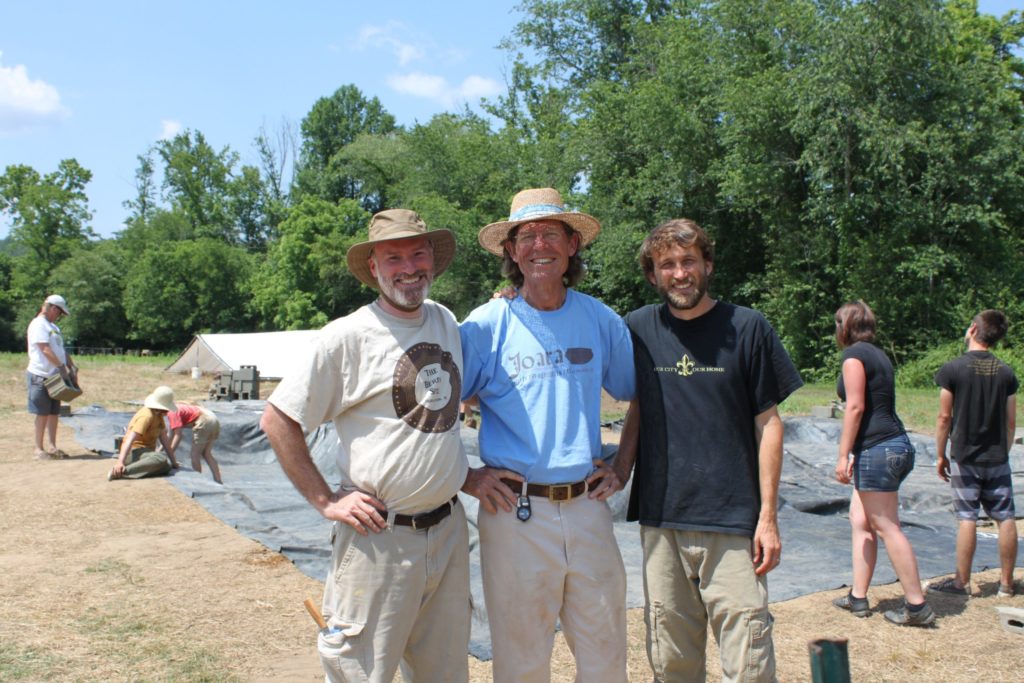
[[475, 87], [438, 89], [25, 103], [395, 36], [169, 128]]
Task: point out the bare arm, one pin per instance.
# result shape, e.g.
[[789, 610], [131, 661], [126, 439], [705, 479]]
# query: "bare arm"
[[358, 509], [126, 448], [609, 479], [767, 544], [855, 381], [175, 439], [943, 423], [168, 449]]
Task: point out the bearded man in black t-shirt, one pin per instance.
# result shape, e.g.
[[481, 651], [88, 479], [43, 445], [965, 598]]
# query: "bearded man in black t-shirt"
[[706, 437], [977, 415]]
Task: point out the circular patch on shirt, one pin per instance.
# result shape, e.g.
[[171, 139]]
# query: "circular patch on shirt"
[[426, 388]]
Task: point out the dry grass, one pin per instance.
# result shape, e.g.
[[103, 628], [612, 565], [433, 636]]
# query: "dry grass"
[[131, 581]]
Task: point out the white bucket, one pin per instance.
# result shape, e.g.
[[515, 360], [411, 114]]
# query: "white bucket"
[[196, 373]]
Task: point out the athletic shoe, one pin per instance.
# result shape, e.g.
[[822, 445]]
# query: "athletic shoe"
[[948, 586], [1006, 591], [904, 617], [856, 606]]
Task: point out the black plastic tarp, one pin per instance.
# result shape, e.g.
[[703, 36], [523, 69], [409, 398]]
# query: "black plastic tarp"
[[259, 501]]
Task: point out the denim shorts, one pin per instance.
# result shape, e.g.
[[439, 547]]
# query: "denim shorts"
[[884, 466], [39, 401]]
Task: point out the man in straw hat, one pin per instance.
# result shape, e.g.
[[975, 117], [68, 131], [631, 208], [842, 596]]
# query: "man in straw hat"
[[138, 456], [710, 376], [388, 375], [538, 363], [46, 358]]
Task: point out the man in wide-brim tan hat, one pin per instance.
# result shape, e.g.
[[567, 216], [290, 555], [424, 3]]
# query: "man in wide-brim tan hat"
[[389, 376], [538, 363]]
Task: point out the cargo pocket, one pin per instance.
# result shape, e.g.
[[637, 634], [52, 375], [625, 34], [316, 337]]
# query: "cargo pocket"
[[761, 659], [341, 652]]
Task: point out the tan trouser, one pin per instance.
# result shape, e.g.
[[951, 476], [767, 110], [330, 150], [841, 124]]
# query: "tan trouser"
[[563, 564], [691, 579], [398, 597]]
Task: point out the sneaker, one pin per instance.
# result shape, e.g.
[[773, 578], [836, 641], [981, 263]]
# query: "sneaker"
[[948, 586], [856, 606], [1006, 591], [904, 617]]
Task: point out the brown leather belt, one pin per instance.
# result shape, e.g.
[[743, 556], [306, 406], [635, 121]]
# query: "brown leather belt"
[[553, 492], [424, 520]]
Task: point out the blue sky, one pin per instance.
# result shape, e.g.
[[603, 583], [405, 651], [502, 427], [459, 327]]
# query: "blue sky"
[[102, 81]]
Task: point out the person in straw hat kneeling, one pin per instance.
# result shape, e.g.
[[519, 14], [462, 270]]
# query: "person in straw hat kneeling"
[[538, 362], [388, 375], [138, 456]]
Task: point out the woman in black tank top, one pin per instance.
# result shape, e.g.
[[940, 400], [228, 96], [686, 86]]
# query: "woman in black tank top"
[[875, 453]]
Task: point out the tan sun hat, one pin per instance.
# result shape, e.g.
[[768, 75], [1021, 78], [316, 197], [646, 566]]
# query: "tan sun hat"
[[534, 205], [399, 224], [162, 398]]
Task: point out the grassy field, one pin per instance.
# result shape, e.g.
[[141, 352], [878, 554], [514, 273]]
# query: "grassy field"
[[916, 407]]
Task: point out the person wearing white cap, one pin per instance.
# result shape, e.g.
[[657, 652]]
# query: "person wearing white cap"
[[138, 456], [538, 363], [388, 375], [47, 357]]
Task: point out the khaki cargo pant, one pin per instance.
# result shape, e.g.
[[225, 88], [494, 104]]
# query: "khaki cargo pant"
[[696, 578]]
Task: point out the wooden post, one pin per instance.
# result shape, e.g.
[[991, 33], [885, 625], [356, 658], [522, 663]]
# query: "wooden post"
[[829, 661]]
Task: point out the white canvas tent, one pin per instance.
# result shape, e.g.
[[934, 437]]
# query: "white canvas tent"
[[270, 352]]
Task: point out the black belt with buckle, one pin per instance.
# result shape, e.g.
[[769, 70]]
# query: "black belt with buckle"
[[553, 492], [424, 520]]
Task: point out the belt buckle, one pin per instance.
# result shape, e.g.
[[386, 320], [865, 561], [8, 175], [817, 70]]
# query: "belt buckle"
[[559, 492]]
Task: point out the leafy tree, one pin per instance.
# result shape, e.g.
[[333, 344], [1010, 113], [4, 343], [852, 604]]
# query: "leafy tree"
[[184, 288], [93, 281], [304, 281], [48, 216], [197, 181], [333, 123], [10, 339]]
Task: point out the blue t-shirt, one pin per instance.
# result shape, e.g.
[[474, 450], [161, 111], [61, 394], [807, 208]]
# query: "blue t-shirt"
[[539, 376]]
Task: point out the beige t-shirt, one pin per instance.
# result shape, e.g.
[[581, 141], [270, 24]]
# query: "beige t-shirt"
[[392, 388]]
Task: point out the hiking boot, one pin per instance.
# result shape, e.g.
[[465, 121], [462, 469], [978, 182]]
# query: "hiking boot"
[[1006, 591], [905, 617], [948, 586], [856, 606]]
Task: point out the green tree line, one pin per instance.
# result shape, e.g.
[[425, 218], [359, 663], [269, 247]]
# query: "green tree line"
[[834, 149]]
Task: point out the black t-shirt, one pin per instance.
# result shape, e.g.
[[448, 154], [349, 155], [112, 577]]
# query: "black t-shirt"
[[879, 421], [981, 384], [700, 384]]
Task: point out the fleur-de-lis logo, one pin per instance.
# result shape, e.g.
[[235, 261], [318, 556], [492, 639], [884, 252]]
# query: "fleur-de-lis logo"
[[685, 366]]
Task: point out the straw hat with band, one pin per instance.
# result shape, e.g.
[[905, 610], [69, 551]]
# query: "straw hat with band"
[[399, 224], [534, 205], [162, 398]]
